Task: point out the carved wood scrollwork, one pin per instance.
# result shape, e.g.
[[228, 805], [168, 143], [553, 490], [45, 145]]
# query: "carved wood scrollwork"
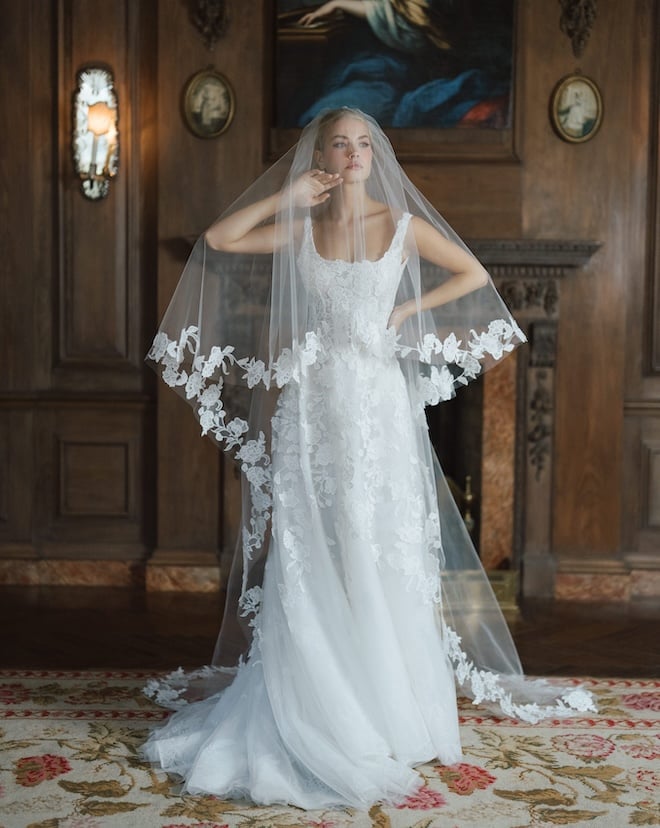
[[576, 22], [539, 435], [210, 19], [523, 295], [543, 343]]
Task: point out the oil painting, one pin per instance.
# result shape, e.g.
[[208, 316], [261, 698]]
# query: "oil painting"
[[411, 64]]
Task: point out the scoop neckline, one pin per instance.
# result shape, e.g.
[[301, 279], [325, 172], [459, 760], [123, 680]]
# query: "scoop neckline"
[[355, 261]]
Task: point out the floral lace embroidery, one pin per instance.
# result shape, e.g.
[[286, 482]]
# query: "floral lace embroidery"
[[207, 394], [485, 686], [169, 690], [482, 686], [342, 335], [440, 383]]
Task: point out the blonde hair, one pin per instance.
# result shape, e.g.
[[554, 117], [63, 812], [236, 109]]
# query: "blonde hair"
[[332, 116], [419, 14]]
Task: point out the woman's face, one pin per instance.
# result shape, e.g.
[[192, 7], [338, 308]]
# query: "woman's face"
[[347, 149]]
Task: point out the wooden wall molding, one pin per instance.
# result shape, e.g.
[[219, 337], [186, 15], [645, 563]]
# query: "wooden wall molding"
[[653, 210], [598, 566], [552, 254]]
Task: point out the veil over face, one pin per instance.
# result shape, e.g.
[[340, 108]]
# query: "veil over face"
[[242, 326]]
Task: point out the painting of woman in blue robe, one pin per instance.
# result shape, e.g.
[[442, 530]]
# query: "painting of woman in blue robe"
[[409, 63]]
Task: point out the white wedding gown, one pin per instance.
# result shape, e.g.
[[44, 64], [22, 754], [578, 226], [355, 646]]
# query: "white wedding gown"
[[349, 682]]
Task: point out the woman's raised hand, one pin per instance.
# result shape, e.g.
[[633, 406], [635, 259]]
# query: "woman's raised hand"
[[313, 187], [322, 11]]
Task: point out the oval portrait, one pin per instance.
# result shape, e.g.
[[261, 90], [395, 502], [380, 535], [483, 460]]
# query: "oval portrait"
[[576, 108], [208, 104]]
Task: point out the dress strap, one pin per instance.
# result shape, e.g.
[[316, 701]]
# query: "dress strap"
[[401, 229], [396, 245], [307, 239]]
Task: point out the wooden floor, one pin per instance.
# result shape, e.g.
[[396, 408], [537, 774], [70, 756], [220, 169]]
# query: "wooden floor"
[[78, 628]]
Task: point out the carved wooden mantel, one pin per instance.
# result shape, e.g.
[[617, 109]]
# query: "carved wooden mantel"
[[528, 274]]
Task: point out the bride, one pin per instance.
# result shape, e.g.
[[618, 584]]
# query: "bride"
[[356, 604]]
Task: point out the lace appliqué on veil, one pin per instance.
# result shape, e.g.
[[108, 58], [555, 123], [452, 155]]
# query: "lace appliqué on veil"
[[349, 308], [482, 686], [486, 686]]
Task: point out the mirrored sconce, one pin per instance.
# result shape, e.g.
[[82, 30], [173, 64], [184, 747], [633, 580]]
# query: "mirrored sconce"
[[95, 133]]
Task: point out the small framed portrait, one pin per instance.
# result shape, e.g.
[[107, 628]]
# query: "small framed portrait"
[[576, 109], [208, 104]]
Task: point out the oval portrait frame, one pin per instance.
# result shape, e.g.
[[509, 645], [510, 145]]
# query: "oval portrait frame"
[[208, 103], [576, 108]]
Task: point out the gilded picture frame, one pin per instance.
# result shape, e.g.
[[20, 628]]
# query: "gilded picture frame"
[[208, 103], [576, 108]]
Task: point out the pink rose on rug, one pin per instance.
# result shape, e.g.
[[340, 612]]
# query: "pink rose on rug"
[[642, 701], [424, 799], [584, 745], [649, 780], [13, 693], [320, 823], [32, 770], [644, 748], [463, 779]]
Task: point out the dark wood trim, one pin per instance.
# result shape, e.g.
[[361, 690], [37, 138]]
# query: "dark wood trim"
[[653, 208]]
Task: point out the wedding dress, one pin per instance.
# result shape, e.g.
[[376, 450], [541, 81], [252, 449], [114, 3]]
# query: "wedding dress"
[[349, 681], [362, 602]]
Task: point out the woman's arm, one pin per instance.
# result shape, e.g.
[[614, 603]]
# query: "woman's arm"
[[467, 273], [240, 233], [358, 8]]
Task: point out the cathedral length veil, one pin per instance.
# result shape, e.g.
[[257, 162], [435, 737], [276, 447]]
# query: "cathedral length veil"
[[239, 329]]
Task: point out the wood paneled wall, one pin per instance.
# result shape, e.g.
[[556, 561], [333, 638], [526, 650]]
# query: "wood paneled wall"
[[583, 191], [641, 433], [77, 460], [98, 462]]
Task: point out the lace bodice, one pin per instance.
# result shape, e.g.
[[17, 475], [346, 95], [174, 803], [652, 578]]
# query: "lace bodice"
[[351, 302]]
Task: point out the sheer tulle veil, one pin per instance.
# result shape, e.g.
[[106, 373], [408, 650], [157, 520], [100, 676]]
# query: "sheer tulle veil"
[[239, 329]]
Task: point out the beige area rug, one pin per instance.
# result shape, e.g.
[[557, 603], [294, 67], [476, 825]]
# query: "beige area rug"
[[69, 759]]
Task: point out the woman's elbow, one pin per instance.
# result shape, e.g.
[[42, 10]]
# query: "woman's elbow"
[[211, 239], [480, 277]]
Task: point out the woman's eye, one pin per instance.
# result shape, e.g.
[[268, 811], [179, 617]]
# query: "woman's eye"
[[339, 145]]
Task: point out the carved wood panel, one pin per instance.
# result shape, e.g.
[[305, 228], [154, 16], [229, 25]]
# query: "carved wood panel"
[[651, 466], [641, 487], [95, 478], [91, 479], [76, 462], [640, 491], [101, 254], [16, 479], [654, 202]]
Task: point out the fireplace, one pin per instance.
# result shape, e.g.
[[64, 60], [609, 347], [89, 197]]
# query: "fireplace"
[[515, 467]]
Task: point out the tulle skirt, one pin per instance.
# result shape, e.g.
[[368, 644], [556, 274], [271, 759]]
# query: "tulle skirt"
[[348, 684]]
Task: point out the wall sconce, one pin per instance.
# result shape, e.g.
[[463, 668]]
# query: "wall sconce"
[[95, 135]]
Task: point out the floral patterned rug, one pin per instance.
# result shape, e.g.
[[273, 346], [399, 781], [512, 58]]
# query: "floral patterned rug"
[[69, 759]]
